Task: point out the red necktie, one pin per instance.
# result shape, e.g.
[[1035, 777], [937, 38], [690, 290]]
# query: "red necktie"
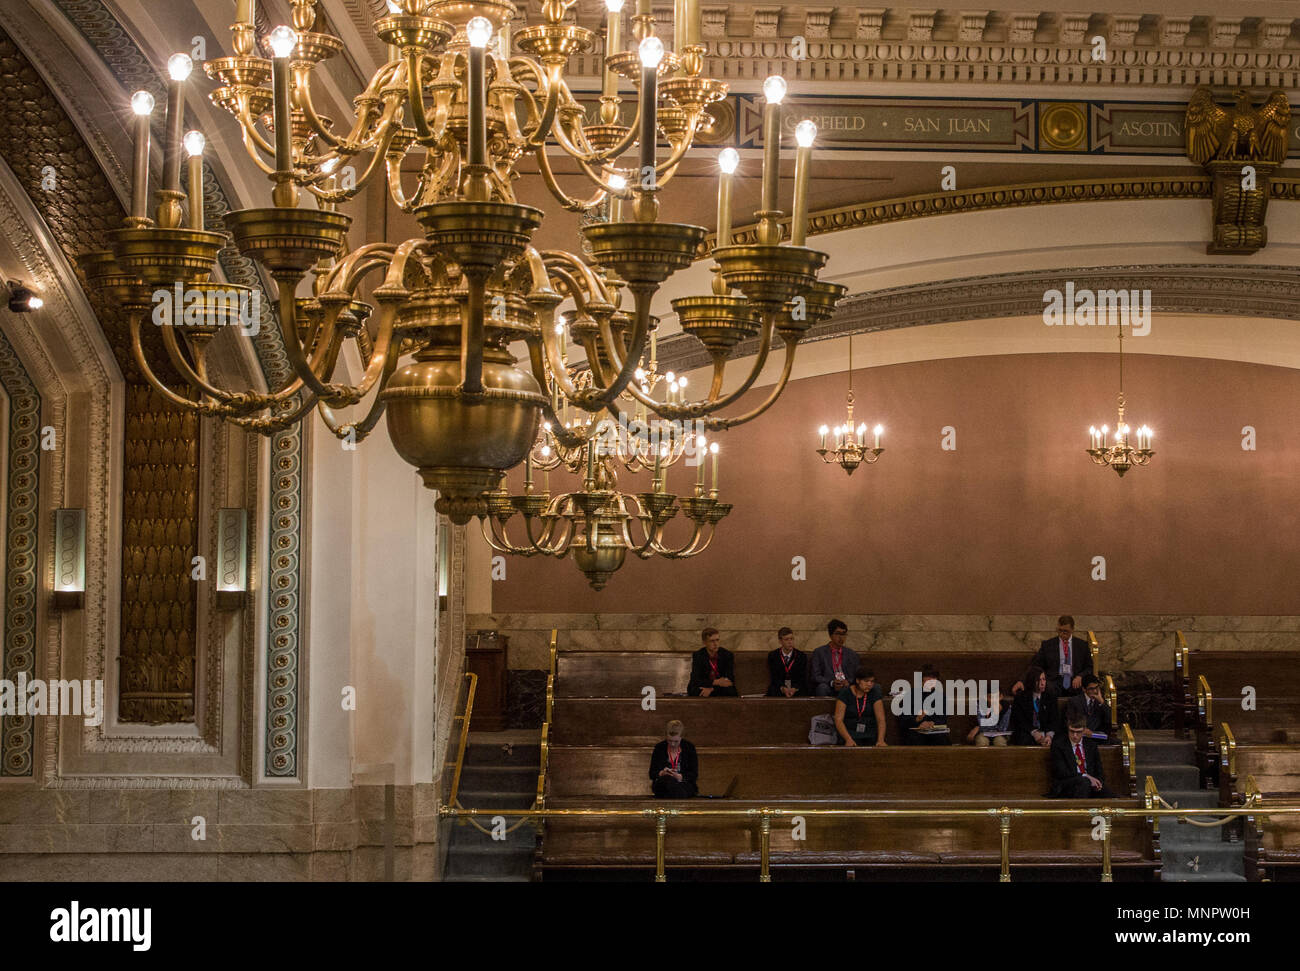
[[1065, 645], [1078, 757]]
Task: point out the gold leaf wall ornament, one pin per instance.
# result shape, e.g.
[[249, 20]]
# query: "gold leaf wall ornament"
[[1241, 147]]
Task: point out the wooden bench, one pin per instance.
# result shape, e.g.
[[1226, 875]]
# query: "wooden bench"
[[785, 777], [797, 772], [1212, 684], [624, 674], [1275, 768], [709, 721], [1272, 850], [888, 847]]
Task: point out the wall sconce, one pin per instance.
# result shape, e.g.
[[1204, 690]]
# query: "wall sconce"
[[444, 561], [232, 558], [69, 559]]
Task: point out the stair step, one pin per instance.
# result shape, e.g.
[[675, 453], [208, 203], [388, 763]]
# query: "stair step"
[[493, 799], [1174, 834], [1202, 877], [474, 861], [1191, 798], [499, 778], [491, 753], [1172, 777], [525, 837]]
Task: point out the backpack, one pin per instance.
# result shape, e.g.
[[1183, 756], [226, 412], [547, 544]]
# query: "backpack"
[[822, 731]]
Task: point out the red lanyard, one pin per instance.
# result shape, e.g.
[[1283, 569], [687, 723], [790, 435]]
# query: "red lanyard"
[[674, 760], [713, 668], [836, 658], [787, 664], [862, 703]]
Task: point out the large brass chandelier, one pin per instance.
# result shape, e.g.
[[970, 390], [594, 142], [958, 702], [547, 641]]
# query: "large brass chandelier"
[[435, 318]]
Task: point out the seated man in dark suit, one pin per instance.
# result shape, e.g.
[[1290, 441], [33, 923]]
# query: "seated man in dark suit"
[[787, 668], [1076, 764], [915, 726], [1094, 710], [674, 766], [713, 669]]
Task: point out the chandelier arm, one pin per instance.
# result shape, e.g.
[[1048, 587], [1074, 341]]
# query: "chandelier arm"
[[136, 318], [564, 436], [500, 542], [273, 423], [303, 367], [688, 549], [565, 200], [196, 378], [546, 118], [641, 297], [343, 195], [255, 144], [302, 95], [558, 369], [721, 424], [393, 171], [415, 98]]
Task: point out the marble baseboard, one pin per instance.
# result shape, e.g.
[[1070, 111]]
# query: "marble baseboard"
[[1128, 643], [250, 834]]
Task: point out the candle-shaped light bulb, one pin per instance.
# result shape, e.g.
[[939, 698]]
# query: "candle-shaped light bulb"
[[613, 44], [822, 433], [283, 40], [617, 182], [614, 6], [862, 431], [640, 374], [805, 133], [651, 52], [877, 430], [702, 449], [142, 105], [713, 450], [194, 145], [728, 159], [774, 89], [478, 31], [681, 382], [179, 67]]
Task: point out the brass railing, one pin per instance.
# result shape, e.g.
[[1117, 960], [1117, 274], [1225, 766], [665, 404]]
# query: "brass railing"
[[1204, 703], [1227, 750], [1107, 682], [540, 801], [463, 718], [1004, 815], [1182, 685]]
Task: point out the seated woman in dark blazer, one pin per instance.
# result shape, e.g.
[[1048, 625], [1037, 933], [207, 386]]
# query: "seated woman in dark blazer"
[[674, 766], [1034, 713]]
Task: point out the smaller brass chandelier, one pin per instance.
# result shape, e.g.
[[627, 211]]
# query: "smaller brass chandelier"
[[1121, 456], [851, 448]]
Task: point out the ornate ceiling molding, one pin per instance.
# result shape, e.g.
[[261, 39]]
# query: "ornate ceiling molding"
[[897, 44], [1226, 289]]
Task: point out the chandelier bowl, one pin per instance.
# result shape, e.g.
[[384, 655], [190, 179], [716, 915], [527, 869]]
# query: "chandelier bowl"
[[644, 253], [287, 240], [769, 275]]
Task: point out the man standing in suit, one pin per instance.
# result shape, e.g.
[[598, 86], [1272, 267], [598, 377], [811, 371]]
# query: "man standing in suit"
[[833, 665], [713, 668], [1066, 659], [787, 668]]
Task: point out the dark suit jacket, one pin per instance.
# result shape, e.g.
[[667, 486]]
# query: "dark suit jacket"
[[700, 669], [821, 670], [1049, 659], [1022, 716], [1064, 767], [1098, 717], [777, 677], [690, 769]]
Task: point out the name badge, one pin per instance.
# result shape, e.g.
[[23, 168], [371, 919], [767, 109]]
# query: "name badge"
[[861, 729]]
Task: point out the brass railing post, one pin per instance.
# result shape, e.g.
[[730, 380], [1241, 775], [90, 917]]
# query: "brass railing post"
[[1106, 875], [661, 830], [464, 735], [1004, 823], [765, 845]]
